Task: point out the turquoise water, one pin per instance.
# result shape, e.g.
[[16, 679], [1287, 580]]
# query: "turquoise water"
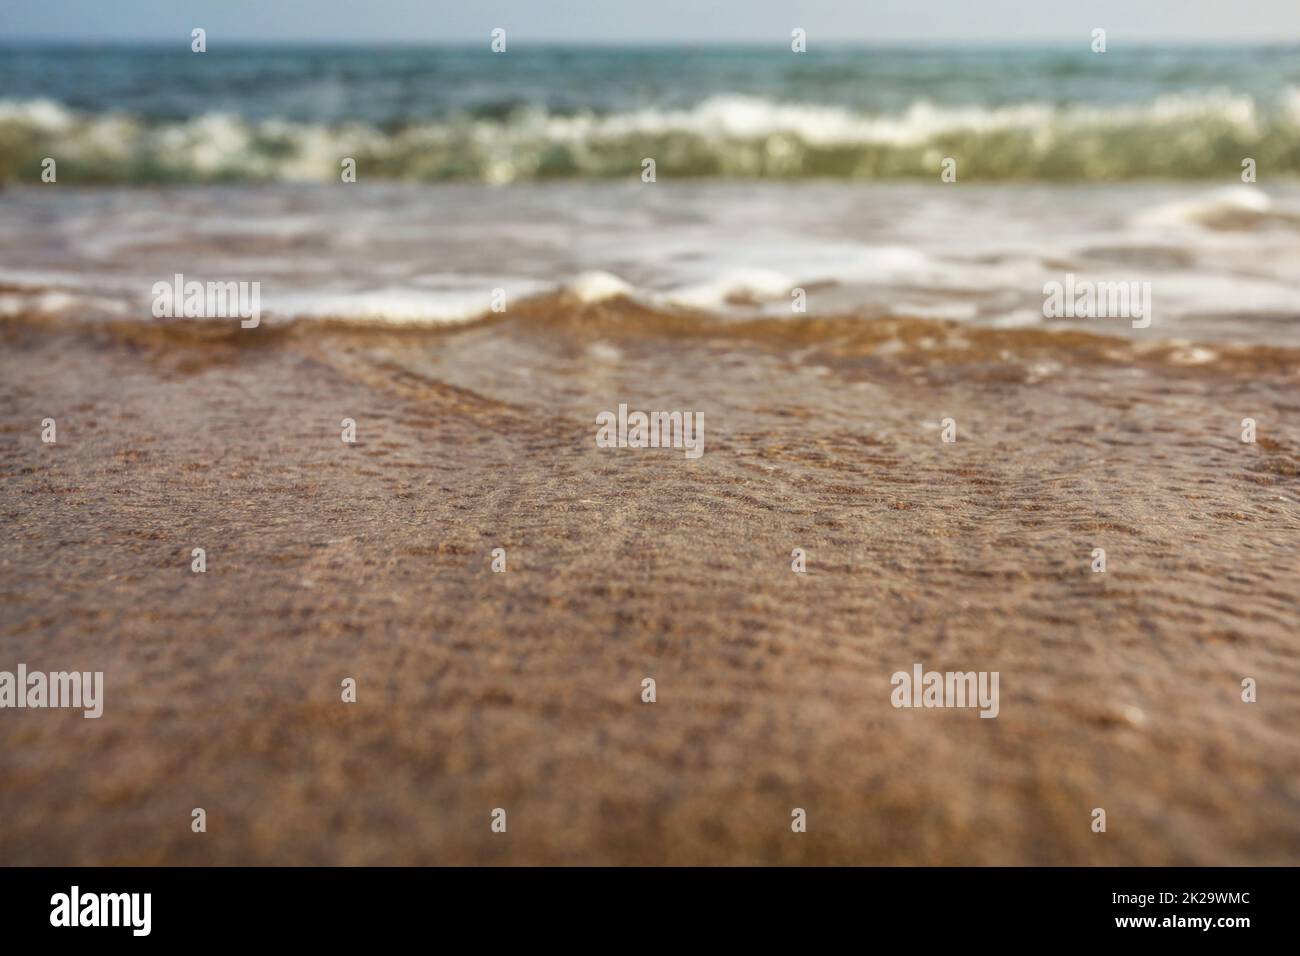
[[150, 113]]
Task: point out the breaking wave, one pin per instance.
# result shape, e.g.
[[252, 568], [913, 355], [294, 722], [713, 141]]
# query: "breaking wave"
[[1176, 136]]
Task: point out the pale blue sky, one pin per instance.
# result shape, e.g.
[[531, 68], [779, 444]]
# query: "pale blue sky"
[[677, 21]]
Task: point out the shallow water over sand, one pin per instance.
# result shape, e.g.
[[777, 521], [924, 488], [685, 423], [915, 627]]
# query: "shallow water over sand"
[[521, 689]]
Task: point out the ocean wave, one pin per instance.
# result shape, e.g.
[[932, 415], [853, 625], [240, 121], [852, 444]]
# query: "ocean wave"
[[1232, 207], [1177, 136], [68, 296], [902, 344]]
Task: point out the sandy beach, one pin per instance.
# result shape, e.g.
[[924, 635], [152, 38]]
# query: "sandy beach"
[[327, 338], [522, 690]]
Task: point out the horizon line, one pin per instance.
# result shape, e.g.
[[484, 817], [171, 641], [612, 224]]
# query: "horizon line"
[[611, 43]]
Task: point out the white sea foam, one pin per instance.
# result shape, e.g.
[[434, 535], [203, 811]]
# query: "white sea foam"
[[733, 284], [598, 286], [1205, 209], [392, 305], [726, 133], [432, 255]]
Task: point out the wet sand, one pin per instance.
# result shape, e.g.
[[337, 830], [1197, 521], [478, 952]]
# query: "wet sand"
[[521, 689]]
